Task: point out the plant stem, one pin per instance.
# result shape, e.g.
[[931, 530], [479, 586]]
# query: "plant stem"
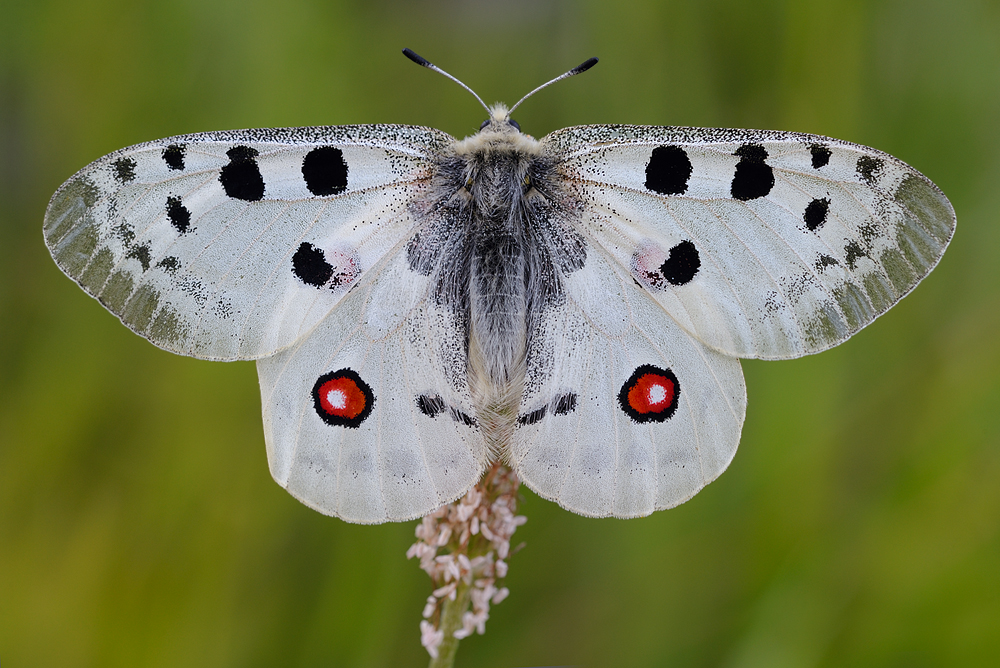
[[451, 621]]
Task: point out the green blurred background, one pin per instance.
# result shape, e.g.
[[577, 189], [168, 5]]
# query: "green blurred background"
[[857, 526]]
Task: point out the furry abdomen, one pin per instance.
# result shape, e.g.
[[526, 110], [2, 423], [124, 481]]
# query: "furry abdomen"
[[497, 284], [500, 266]]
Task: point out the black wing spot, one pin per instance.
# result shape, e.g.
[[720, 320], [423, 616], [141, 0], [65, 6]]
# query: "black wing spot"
[[124, 170], [668, 170], [178, 214], [869, 168], [310, 266], [173, 155], [682, 265], [820, 155], [825, 261], [564, 404], [169, 264], [142, 254], [431, 406], [325, 171], [815, 214], [459, 416], [533, 417], [753, 178], [241, 178], [125, 232], [852, 252]]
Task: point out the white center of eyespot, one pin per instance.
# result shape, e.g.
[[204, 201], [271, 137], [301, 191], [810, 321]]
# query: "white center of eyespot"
[[657, 394], [336, 398]]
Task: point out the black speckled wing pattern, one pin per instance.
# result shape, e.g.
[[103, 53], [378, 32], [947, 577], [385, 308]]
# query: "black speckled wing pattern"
[[704, 246], [288, 246], [761, 244], [301, 248]]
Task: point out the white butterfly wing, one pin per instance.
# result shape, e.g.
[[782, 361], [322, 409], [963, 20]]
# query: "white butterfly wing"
[[300, 248], [369, 417], [232, 245], [624, 412], [760, 244]]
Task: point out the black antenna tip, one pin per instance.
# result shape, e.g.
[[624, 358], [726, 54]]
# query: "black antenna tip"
[[582, 67], [426, 63]]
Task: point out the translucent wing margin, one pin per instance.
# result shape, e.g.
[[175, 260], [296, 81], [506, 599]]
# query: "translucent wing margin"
[[760, 244], [232, 245]]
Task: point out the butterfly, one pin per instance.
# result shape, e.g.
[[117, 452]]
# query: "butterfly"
[[420, 306]]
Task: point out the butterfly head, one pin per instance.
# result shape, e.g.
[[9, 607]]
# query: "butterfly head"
[[500, 120]]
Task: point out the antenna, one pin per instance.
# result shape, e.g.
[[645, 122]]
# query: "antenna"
[[579, 69], [419, 60]]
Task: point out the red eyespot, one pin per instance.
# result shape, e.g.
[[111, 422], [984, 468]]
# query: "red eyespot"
[[650, 394], [342, 399]]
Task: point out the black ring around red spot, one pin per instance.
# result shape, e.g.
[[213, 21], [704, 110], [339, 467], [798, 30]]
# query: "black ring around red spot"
[[342, 399], [650, 394]]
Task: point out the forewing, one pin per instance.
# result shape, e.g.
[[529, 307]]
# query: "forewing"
[[760, 244], [369, 417], [232, 245], [624, 412]]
